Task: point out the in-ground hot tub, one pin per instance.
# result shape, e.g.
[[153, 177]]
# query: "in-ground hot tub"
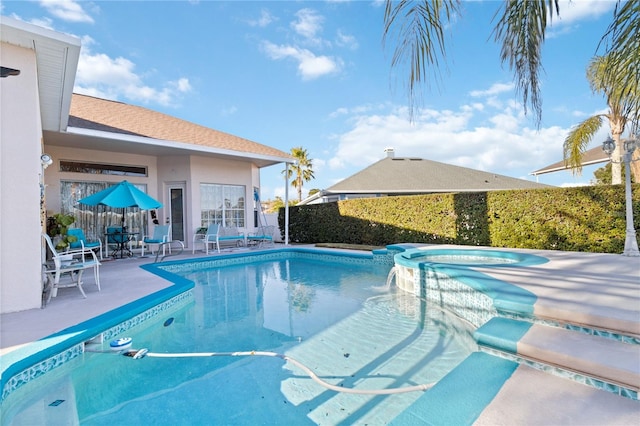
[[449, 278]]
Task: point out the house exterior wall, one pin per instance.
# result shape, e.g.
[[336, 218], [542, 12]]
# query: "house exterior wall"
[[53, 175], [219, 171], [163, 172], [20, 171]]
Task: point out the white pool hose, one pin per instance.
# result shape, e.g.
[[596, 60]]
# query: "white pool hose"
[[141, 353]]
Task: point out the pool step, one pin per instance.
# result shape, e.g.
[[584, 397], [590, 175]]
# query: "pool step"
[[594, 360], [461, 396]]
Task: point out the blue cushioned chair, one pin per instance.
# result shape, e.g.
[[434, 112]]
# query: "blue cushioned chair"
[[82, 242], [161, 235]]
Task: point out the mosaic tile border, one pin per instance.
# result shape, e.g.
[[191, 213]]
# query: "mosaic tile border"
[[40, 369], [566, 374], [182, 298], [607, 334], [310, 254], [466, 302], [49, 364], [447, 293]]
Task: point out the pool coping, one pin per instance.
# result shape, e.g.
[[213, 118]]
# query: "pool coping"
[[27, 356]]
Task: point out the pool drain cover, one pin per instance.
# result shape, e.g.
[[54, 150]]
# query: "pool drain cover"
[[56, 402]]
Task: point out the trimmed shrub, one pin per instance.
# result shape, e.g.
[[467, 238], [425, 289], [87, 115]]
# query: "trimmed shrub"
[[588, 219]]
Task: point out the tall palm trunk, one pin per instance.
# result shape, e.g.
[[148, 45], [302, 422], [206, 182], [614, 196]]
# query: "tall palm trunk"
[[617, 127]]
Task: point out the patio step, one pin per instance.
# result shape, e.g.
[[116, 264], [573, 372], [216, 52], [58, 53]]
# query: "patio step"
[[597, 361]]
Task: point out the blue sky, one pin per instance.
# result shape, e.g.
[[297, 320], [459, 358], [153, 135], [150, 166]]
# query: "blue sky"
[[316, 75]]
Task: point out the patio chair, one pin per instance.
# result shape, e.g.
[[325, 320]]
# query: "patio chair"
[[161, 235], [71, 264], [211, 237], [82, 242], [262, 237]]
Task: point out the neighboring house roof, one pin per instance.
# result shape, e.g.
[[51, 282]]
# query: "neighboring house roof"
[[593, 156], [406, 176], [57, 60]]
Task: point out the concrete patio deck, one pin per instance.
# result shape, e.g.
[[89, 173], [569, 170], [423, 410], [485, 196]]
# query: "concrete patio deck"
[[595, 290]]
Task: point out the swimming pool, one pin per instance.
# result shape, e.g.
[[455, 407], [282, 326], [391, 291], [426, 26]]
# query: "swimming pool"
[[327, 312]]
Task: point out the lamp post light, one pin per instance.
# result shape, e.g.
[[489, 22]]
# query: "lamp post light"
[[630, 242]]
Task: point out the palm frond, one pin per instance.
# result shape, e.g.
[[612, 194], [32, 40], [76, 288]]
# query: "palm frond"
[[622, 41], [577, 141], [420, 43], [521, 32]]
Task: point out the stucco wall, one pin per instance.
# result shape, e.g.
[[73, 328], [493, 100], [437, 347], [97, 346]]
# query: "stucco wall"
[[163, 172], [53, 175], [218, 171], [20, 169]]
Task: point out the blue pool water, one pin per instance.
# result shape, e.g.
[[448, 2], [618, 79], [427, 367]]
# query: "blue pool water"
[[331, 316]]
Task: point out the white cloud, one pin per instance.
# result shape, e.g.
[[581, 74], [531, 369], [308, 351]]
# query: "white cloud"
[[308, 23], [573, 11], [346, 40], [67, 10], [229, 111], [478, 137], [357, 110], [264, 20], [307, 28], [310, 66], [114, 78], [495, 89], [41, 22]]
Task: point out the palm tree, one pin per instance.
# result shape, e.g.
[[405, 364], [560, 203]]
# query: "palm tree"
[[624, 47], [621, 103], [520, 29], [303, 169]]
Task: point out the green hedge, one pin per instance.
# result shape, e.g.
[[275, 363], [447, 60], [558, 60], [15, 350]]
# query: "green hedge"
[[588, 219]]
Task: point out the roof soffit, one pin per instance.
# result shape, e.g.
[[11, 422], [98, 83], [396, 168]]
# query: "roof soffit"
[[57, 58]]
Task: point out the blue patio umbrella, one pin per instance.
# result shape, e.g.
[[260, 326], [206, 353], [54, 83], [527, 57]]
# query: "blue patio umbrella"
[[122, 195]]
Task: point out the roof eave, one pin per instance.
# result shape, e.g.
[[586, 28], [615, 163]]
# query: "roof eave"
[[560, 168], [141, 141]]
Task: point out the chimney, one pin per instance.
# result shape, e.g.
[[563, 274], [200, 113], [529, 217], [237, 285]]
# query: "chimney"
[[389, 152]]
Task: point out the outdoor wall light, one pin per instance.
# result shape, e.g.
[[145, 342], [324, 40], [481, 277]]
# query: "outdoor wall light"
[[46, 160], [7, 72], [629, 145]]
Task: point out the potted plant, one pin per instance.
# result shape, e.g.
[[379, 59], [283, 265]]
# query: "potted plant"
[[57, 226]]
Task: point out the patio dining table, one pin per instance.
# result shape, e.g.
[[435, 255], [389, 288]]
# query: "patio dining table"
[[121, 240]]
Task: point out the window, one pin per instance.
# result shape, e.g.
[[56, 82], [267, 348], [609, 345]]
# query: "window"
[[94, 219], [102, 169], [222, 204]]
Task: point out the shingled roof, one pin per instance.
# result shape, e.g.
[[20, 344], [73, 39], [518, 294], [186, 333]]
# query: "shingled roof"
[[417, 176], [593, 156], [92, 113]]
